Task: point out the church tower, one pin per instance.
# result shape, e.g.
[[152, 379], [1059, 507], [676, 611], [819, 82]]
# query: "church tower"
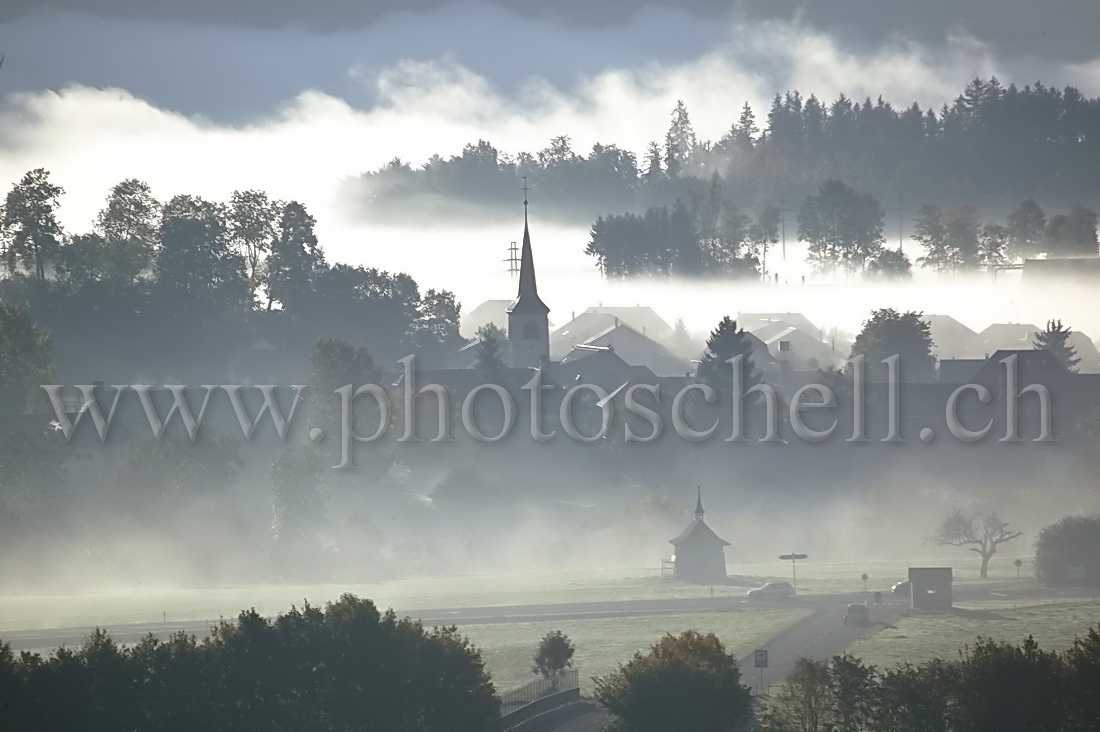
[[528, 325]]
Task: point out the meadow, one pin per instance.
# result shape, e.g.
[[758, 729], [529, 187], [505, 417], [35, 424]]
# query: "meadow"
[[141, 604]]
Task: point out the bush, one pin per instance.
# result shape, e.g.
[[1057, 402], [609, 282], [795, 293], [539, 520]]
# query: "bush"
[[1072, 542]]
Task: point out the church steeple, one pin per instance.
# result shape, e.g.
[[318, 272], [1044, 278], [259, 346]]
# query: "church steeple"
[[699, 503], [528, 326], [528, 296]]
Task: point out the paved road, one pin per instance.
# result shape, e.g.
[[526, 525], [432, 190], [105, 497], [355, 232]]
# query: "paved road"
[[814, 636], [821, 635], [73, 636]]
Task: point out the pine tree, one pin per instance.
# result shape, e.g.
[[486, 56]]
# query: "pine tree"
[[653, 170], [725, 342], [1055, 339], [680, 141], [746, 129], [489, 351]]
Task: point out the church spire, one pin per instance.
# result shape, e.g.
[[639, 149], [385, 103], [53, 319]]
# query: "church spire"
[[528, 296], [699, 503]]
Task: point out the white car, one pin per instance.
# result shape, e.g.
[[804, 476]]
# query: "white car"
[[772, 590]]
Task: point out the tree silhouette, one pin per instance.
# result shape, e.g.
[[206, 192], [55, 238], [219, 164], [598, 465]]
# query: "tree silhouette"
[[982, 534], [686, 682], [887, 333], [491, 342], [554, 655], [727, 341], [1055, 339], [29, 223]]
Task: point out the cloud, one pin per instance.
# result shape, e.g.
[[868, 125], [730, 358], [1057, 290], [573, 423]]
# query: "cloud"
[[387, 102]]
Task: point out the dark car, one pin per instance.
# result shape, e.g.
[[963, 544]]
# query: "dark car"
[[772, 590], [903, 588], [858, 614]]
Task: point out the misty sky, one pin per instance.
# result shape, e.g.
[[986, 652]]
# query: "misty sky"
[[234, 61], [204, 97]]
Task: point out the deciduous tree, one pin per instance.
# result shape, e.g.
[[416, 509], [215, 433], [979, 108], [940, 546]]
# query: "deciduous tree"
[[29, 224], [981, 533], [887, 333], [685, 682]]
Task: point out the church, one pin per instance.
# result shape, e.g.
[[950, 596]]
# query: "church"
[[528, 315], [700, 553]]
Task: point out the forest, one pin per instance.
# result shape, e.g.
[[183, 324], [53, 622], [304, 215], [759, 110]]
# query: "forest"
[[834, 171]]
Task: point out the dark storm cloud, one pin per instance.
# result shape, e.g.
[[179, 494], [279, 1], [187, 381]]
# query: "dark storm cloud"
[[1063, 30], [233, 71]]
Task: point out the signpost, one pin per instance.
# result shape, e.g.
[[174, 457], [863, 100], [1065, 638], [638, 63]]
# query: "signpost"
[[761, 661], [794, 558], [864, 578], [1018, 564]]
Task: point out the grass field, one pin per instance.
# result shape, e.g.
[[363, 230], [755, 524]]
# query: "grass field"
[[918, 637], [141, 604], [603, 643]]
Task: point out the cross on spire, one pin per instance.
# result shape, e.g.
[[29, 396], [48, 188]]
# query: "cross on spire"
[[525, 189], [699, 503]]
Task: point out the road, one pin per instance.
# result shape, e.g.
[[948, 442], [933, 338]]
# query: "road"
[[811, 636], [821, 635]]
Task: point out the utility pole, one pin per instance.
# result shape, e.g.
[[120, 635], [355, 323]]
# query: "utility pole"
[[513, 259], [901, 210], [783, 225], [513, 250]]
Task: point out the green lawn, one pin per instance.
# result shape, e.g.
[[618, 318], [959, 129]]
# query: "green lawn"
[[603, 643], [137, 605], [150, 604], [833, 577], [918, 637]]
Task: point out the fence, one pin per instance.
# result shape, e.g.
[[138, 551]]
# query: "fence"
[[541, 696]]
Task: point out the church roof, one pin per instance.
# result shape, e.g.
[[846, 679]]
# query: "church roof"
[[527, 299], [698, 529]]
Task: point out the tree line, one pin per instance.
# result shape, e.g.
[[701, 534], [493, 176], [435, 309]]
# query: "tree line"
[[158, 280], [691, 682], [992, 146], [843, 229], [346, 666]]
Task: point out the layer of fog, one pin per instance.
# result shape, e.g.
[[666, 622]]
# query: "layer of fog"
[[354, 111]]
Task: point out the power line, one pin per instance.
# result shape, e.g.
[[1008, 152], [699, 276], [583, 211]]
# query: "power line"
[[513, 259]]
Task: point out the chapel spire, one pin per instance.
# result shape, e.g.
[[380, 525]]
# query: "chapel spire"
[[527, 298]]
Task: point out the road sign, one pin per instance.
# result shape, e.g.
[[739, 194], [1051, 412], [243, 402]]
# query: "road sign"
[[793, 558], [761, 658]]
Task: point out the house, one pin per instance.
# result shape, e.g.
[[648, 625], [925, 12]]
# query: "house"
[[700, 553], [797, 320], [930, 587], [637, 349], [950, 338], [958, 370], [579, 330], [793, 348], [490, 311], [1005, 336], [645, 320]]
